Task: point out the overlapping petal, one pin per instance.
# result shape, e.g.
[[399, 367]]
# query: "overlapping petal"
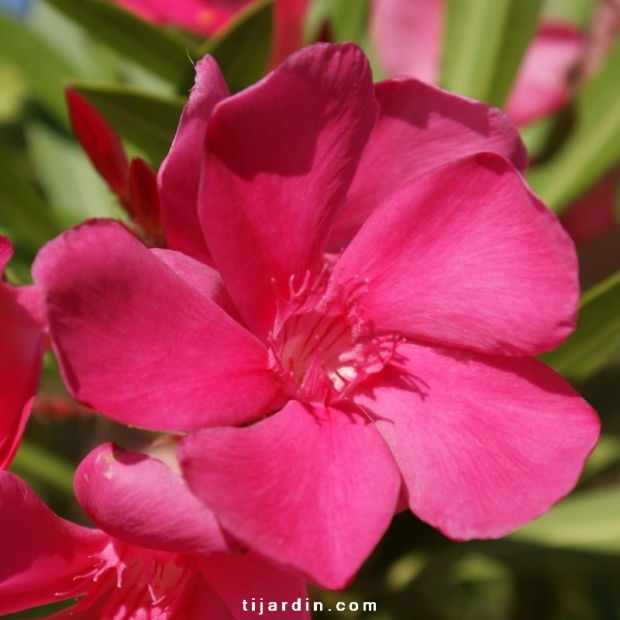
[[137, 342], [484, 444], [179, 173], [421, 127], [22, 340], [41, 554], [139, 499], [466, 256], [312, 488], [280, 157]]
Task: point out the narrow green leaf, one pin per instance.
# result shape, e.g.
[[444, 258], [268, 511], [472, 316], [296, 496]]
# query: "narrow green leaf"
[[576, 11], [24, 215], [519, 31], [148, 121], [164, 52], [242, 49], [587, 521], [472, 41], [484, 43], [597, 335], [42, 69], [593, 146], [33, 461], [347, 19], [74, 189]]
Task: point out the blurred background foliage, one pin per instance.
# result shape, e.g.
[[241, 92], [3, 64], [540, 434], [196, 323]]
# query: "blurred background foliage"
[[564, 566]]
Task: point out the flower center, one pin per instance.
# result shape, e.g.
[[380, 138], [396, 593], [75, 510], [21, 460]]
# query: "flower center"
[[323, 347]]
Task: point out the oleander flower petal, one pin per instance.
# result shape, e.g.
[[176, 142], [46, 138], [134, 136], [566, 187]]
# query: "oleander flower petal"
[[318, 503], [288, 146], [201, 16], [140, 499], [23, 343], [179, 173], [485, 444], [48, 560], [421, 127], [41, 554], [116, 310], [431, 272]]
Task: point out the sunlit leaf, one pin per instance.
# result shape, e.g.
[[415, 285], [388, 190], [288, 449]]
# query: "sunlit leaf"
[[146, 120], [164, 52], [586, 521], [42, 69], [484, 43], [597, 335], [593, 146]]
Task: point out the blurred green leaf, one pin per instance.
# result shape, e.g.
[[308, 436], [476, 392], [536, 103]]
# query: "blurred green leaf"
[[597, 334], [34, 462], [242, 48], [587, 521], [41, 67], [74, 189], [146, 120], [164, 52], [347, 20], [24, 215], [576, 11], [593, 146], [484, 43]]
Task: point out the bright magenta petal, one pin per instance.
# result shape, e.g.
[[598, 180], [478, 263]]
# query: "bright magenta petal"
[[421, 127], [466, 256], [138, 343], [201, 16], [6, 251], [406, 35], [248, 577], [20, 368], [543, 83], [280, 158], [313, 489], [484, 444], [179, 173], [140, 500], [41, 553]]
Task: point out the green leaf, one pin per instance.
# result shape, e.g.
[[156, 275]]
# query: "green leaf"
[[41, 67], [242, 49], [592, 148], [148, 121], [74, 189], [586, 521], [164, 52], [597, 335], [484, 43], [34, 462], [347, 20], [24, 215], [576, 11]]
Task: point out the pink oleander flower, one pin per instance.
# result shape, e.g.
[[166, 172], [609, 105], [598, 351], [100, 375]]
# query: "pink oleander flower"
[[407, 39], [201, 16], [345, 319], [207, 17], [23, 341], [162, 554]]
